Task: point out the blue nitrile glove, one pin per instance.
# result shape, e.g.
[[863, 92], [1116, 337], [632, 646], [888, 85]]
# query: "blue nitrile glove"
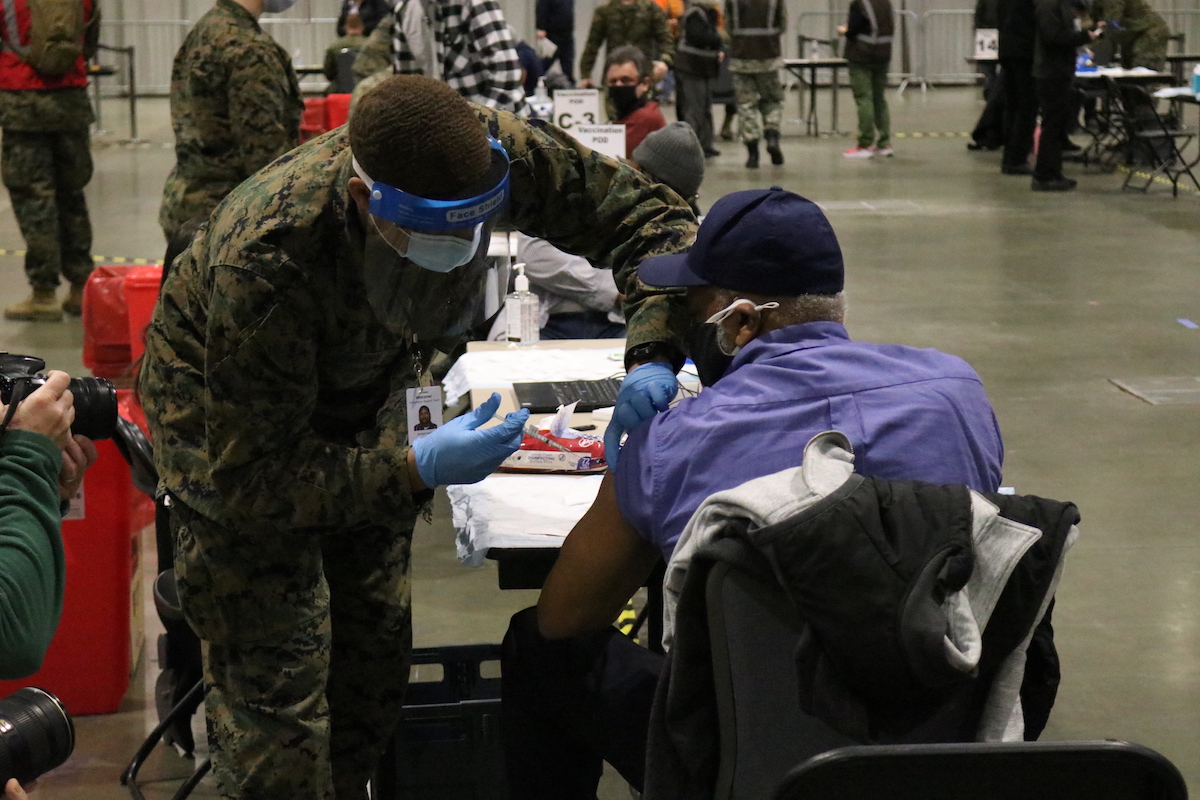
[[646, 390], [461, 452]]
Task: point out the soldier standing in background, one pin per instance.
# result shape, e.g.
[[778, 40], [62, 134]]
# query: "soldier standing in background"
[[640, 23], [47, 160], [276, 372], [868, 32], [755, 30], [235, 107], [1137, 29]]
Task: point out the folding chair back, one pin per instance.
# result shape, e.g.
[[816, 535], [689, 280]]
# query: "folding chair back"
[[1149, 134], [1097, 770]]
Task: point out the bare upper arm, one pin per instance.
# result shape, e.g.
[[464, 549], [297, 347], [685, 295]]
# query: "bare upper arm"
[[602, 563]]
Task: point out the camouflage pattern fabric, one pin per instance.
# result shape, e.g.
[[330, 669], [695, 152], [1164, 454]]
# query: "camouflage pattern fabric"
[[46, 109], [376, 54], [302, 693], [45, 173], [614, 24], [365, 85], [276, 403], [760, 103], [235, 106]]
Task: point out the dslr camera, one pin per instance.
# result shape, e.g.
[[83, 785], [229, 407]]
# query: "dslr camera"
[[36, 735], [95, 398]]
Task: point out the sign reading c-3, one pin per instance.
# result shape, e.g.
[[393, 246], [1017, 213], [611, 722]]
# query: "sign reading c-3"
[[577, 107]]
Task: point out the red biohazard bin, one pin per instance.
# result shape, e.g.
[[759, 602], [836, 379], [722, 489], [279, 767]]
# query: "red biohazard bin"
[[100, 635], [312, 122], [141, 293], [106, 322], [337, 110]]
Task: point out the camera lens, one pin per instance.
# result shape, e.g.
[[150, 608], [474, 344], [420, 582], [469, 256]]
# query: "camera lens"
[[36, 734], [95, 407]]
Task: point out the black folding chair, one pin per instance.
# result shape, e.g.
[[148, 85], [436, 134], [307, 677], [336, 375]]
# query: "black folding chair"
[[1097, 770], [1160, 143]]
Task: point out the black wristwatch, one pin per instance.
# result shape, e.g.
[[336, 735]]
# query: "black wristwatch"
[[654, 351]]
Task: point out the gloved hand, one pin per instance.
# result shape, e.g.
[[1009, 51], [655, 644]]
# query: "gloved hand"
[[646, 390], [459, 452]]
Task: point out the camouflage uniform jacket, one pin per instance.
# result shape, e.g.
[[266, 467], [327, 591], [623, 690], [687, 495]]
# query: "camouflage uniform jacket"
[[52, 109], [235, 106], [376, 53], [1132, 15], [642, 24], [272, 391]]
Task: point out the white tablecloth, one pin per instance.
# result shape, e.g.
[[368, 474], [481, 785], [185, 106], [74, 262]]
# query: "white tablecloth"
[[518, 511], [498, 369]]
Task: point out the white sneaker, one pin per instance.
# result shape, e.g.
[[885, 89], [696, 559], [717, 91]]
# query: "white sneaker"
[[859, 152], [884, 151]]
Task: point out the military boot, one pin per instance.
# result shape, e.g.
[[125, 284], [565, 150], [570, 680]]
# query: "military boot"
[[41, 306], [73, 304], [752, 149], [772, 138]]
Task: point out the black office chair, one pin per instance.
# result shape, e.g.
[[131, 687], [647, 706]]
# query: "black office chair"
[[346, 80], [1153, 139], [1101, 770], [754, 637], [179, 690]]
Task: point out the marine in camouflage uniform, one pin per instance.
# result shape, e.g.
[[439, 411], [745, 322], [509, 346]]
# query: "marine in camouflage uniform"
[[755, 58], [235, 107], [640, 23], [45, 163], [1143, 34], [375, 56], [276, 402]]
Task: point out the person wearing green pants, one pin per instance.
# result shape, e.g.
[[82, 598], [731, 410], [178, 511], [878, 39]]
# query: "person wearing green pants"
[[868, 33]]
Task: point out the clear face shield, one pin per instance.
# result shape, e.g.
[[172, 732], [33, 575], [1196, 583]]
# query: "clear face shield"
[[426, 270]]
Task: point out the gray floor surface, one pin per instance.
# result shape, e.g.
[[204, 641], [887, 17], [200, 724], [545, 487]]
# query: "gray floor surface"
[[1048, 296]]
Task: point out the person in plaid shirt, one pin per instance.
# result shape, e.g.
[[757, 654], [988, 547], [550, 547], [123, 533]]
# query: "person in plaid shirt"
[[471, 42]]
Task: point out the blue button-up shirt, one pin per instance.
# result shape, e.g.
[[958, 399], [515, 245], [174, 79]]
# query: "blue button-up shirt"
[[911, 415]]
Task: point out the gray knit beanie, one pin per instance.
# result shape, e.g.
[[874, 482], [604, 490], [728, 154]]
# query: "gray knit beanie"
[[673, 156]]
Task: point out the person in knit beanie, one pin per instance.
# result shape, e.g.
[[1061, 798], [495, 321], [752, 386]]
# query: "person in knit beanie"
[[673, 155]]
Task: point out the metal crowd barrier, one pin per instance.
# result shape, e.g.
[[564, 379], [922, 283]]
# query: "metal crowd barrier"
[[819, 28], [947, 42]]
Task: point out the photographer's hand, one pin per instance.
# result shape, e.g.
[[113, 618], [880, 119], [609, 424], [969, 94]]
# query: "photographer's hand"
[[13, 790], [49, 410], [78, 455]]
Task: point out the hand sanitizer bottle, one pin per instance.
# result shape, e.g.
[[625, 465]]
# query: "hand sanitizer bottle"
[[521, 309]]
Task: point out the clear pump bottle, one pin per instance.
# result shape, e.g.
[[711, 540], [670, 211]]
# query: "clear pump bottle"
[[521, 309]]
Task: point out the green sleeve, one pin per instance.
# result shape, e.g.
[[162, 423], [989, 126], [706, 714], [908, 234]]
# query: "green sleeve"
[[662, 33], [32, 565], [596, 36], [602, 209], [376, 54], [266, 461], [329, 69]]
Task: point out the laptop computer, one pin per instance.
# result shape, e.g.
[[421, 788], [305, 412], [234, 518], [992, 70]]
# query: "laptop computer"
[[547, 396]]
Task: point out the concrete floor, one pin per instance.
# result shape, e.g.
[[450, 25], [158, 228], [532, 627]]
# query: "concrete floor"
[[1047, 295]]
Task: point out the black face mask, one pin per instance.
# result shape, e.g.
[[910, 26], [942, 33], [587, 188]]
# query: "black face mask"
[[711, 361], [625, 100]]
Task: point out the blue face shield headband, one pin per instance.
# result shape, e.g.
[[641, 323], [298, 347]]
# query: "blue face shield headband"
[[418, 213]]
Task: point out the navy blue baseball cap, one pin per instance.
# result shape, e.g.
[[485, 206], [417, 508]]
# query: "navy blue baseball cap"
[[764, 241]]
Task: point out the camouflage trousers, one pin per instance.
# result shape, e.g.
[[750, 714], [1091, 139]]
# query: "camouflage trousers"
[[760, 103], [306, 637], [45, 173]]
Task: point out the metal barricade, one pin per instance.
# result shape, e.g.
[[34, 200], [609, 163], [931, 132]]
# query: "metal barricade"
[[947, 45]]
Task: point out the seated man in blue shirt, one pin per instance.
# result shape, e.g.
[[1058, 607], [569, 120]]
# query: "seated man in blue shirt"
[[764, 287]]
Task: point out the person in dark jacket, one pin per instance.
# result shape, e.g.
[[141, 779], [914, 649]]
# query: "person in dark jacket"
[[371, 12], [697, 63], [1058, 38], [1018, 31], [778, 368], [555, 20], [868, 33]]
